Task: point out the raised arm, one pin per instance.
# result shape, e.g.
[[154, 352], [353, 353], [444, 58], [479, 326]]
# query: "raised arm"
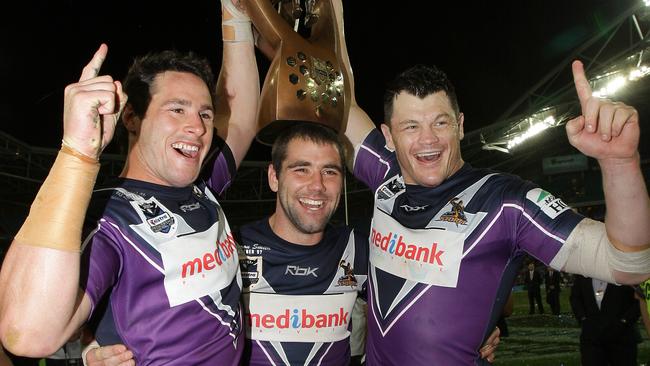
[[40, 302], [238, 87], [609, 132], [359, 124]]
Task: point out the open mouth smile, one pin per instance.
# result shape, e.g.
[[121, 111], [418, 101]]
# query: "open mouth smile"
[[187, 150]]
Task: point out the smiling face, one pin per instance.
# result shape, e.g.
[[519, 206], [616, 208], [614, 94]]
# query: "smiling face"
[[425, 134], [174, 136], [308, 189]]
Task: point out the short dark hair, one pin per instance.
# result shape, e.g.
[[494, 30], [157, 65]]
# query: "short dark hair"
[[144, 69], [420, 81], [309, 131]]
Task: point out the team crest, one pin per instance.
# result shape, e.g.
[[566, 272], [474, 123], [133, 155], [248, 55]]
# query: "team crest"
[[348, 278], [457, 213], [160, 220]]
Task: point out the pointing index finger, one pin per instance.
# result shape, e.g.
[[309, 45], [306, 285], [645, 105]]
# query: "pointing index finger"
[[92, 69], [582, 84]]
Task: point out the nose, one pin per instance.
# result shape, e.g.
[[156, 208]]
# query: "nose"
[[195, 125], [316, 183], [428, 135]]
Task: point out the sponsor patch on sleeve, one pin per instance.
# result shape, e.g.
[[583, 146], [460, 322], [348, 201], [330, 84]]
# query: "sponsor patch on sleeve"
[[550, 205]]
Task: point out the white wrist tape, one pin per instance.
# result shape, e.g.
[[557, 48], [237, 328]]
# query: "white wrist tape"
[[91, 346], [235, 25]]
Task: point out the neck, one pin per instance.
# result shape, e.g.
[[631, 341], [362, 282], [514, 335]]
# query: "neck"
[[287, 231]]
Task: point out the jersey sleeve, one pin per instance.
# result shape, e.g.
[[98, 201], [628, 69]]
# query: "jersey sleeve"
[[544, 222], [100, 265], [373, 161], [220, 167]]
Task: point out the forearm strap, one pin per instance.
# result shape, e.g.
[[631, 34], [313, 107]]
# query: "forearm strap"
[[57, 214]]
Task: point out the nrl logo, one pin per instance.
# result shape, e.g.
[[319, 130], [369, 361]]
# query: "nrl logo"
[[250, 270], [391, 188], [457, 213], [159, 220], [348, 278]]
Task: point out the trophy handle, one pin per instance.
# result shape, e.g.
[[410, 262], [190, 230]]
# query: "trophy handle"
[[306, 80]]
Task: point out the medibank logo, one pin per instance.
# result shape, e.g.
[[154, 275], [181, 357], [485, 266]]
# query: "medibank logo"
[[299, 319], [394, 244], [210, 260]]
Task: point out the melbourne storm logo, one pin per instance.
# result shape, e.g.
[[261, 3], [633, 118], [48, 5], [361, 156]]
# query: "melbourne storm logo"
[[457, 213], [348, 278]]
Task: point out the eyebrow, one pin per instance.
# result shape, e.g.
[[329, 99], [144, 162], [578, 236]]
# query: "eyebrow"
[[441, 115], [300, 163], [186, 103]]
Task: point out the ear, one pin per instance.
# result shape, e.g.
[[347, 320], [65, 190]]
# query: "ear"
[[273, 178], [385, 129], [131, 121], [461, 121]]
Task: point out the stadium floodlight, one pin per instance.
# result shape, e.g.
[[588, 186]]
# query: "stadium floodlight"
[[618, 76], [605, 85], [524, 129]]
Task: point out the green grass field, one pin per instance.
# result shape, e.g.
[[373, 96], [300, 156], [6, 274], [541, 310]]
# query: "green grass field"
[[547, 340]]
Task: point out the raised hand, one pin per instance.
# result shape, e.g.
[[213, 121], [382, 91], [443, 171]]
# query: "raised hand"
[[605, 130], [91, 108]]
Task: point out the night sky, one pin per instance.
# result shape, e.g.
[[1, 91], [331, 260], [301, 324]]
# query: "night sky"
[[493, 51]]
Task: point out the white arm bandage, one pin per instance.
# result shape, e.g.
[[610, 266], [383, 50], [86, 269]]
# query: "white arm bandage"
[[588, 251]]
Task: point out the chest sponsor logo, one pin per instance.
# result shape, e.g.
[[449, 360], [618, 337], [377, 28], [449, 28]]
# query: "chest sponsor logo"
[[457, 213], [304, 318], [549, 204], [300, 271], [427, 256], [199, 264], [209, 260]]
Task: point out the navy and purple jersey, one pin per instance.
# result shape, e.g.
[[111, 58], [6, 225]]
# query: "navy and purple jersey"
[[298, 299], [167, 261], [443, 260]]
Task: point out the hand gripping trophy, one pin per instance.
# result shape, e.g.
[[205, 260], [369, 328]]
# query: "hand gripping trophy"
[[306, 80]]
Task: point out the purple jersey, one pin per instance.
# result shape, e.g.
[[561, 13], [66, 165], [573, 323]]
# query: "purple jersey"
[[167, 260], [298, 299], [443, 259]]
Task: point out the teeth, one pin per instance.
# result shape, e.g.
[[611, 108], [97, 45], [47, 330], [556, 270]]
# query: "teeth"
[[185, 147], [427, 154], [307, 201]]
